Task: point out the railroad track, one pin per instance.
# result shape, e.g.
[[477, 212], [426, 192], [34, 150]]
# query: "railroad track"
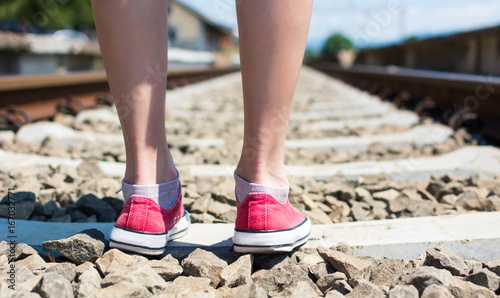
[[30, 98], [459, 100], [364, 171]]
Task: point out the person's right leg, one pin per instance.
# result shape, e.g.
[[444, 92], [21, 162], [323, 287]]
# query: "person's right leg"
[[133, 41], [272, 43]]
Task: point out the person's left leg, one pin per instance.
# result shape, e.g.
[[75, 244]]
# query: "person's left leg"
[[273, 36], [133, 41]]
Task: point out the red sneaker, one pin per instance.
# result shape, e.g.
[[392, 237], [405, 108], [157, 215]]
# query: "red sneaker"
[[144, 227], [264, 225]]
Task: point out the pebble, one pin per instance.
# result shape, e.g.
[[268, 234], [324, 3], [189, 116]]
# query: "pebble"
[[485, 278], [443, 258], [168, 267], [352, 267], [365, 289], [201, 263], [53, 285], [113, 260], [66, 270], [403, 291], [87, 245], [238, 273]]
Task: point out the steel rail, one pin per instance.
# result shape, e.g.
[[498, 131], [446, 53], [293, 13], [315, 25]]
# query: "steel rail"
[[460, 100], [24, 99]]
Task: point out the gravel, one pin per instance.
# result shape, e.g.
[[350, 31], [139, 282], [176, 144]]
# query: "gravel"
[[215, 274], [84, 198]]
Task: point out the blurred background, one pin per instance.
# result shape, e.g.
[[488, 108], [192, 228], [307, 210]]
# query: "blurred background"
[[58, 36]]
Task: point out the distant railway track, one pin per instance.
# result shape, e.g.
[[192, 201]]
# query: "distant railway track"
[[459, 100], [30, 98]]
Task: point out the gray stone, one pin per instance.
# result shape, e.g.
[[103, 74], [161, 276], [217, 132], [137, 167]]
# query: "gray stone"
[[90, 169], [321, 269], [53, 285], [251, 291], [436, 291], [19, 197], [64, 218], [116, 203], [386, 271], [112, 260], [88, 245], [485, 278], [66, 270], [89, 283], [423, 277], [443, 258], [23, 274], [21, 251], [399, 204], [474, 266], [494, 267], [239, 272], [32, 262], [188, 284], [90, 204], [201, 263], [168, 267], [449, 199], [46, 209], [326, 282], [279, 278], [141, 274], [217, 209], [26, 295], [22, 210], [301, 290], [334, 294], [341, 191], [433, 187], [308, 260], [83, 268], [318, 217], [403, 291], [460, 288], [341, 286], [228, 292], [3, 260], [365, 289], [491, 203], [386, 195], [353, 267], [360, 211], [123, 290]]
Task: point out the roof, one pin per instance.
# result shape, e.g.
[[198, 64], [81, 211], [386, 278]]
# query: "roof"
[[209, 22]]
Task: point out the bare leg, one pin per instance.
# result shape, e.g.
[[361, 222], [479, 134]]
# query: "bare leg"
[[272, 42], [133, 40]]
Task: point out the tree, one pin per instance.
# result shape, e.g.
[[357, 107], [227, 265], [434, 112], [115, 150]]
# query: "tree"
[[334, 44], [49, 14]]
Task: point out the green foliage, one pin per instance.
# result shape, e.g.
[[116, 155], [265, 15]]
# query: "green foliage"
[[411, 38], [310, 56], [49, 14], [334, 44]]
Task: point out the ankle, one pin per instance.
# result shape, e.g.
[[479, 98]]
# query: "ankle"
[[273, 176], [149, 171]]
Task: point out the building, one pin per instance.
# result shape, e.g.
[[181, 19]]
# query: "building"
[[193, 39], [190, 30], [474, 52]]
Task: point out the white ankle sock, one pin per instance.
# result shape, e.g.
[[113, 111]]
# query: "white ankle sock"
[[164, 194], [243, 188]]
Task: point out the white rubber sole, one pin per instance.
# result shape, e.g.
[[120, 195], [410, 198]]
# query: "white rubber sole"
[[148, 244], [271, 241]]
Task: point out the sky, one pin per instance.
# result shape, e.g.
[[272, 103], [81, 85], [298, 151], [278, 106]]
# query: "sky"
[[370, 23]]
